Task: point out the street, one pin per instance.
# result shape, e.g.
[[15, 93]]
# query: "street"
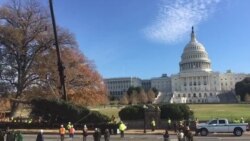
[[212, 137]]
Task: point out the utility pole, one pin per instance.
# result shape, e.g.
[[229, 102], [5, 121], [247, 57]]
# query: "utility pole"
[[59, 61]]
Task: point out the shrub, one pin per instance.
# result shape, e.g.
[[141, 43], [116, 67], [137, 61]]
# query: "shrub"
[[59, 111], [176, 111], [134, 112]]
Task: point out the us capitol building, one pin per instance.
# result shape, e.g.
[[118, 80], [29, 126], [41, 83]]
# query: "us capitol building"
[[195, 83]]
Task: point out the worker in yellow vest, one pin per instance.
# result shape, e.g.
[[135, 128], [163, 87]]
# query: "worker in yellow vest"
[[62, 132], [169, 124], [153, 124], [122, 128]]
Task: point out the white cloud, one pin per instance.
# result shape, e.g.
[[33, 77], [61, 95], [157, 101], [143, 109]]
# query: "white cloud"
[[176, 17]]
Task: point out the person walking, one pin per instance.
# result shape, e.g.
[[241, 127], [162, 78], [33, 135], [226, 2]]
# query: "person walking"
[[68, 127], [2, 134], [85, 133], [180, 135], [19, 136], [196, 122], [71, 132], [188, 134], [175, 126], [166, 136], [11, 136], [153, 124], [106, 135], [242, 120], [62, 132], [169, 124], [97, 135], [122, 128], [39, 136]]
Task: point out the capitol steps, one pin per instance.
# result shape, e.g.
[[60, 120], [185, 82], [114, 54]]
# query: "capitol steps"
[[162, 98], [228, 97]]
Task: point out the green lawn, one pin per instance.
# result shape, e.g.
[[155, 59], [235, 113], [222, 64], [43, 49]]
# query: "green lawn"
[[201, 111], [109, 111], [230, 111]]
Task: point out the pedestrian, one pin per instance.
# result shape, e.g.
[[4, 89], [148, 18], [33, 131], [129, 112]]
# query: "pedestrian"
[[242, 120], [62, 132], [196, 122], [11, 136], [106, 135], [2, 134], [19, 136], [169, 124], [166, 135], [180, 135], [71, 132], [188, 134], [97, 135], [39, 136], [85, 133], [175, 126], [181, 126], [153, 125], [69, 126], [122, 128]]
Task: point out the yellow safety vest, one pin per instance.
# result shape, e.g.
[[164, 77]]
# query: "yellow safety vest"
[[122, 127], [153, 123]]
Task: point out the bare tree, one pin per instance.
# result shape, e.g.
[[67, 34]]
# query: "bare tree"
[[151, 96], [124, 99], [142, 97], [133, 97]]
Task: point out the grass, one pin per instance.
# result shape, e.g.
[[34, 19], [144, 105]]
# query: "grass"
[[109, 111], [229, 111], [201, 111]]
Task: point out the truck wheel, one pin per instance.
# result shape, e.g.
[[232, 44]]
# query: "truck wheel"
[[237, 132], [204, 132]]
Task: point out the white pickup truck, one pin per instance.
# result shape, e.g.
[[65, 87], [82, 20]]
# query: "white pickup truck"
[[222, 126]]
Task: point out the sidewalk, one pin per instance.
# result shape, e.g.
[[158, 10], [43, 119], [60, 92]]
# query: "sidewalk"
[[129, 131]]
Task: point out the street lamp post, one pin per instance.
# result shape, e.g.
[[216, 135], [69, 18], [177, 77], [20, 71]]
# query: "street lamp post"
[[144, 110], [59, 61]]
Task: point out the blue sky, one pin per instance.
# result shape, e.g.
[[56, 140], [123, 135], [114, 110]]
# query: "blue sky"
[[145, 38]]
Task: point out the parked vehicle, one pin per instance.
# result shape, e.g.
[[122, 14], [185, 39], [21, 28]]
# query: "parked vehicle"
[[222, 126]]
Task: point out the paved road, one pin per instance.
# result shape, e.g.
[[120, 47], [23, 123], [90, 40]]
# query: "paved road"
[[212, 137]]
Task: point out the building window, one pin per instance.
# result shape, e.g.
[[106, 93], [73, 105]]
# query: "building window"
[[184, 95], [211, 94], [205, 94], [190, 84], [189, 95], [199, 94], [194, 95]]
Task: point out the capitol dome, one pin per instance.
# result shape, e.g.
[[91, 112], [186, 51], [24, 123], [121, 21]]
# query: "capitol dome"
[[194, 56]]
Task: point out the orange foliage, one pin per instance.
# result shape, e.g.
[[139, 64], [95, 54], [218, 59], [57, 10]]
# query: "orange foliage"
[[84, 85]]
